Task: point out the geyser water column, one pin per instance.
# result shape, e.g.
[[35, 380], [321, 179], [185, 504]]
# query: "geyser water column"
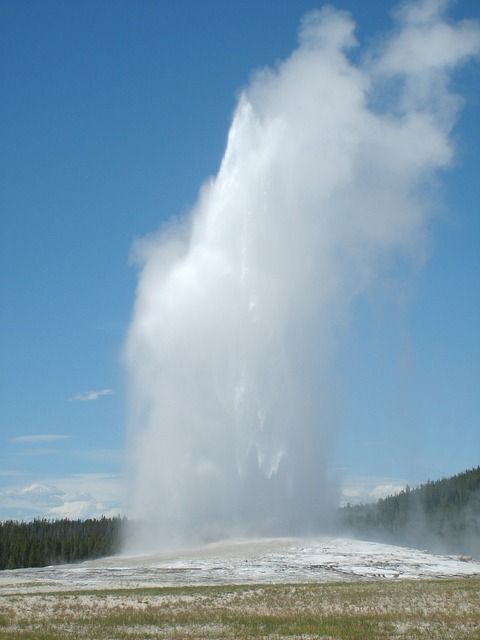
[[320, 191]]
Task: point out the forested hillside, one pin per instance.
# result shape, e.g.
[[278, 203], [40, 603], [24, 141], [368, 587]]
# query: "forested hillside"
[[440, 516], [43, 542]]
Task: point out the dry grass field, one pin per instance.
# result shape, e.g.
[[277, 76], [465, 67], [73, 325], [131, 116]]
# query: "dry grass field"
[[368, 610]]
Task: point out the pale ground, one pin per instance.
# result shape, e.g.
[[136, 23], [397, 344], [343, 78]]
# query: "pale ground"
[[266, 561]]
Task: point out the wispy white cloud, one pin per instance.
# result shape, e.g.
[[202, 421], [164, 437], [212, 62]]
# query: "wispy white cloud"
[[40, 451], [33, 439], [91, 395]]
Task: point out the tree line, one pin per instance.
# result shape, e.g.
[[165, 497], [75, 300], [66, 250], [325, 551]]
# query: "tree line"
[[44, 542], [441, 516]]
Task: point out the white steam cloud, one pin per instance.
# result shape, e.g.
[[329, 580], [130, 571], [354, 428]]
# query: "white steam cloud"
[[323, 188]]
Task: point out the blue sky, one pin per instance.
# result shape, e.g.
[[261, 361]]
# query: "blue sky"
[[113, 114]]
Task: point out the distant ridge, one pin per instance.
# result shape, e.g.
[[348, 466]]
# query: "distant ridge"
[[442, 516]]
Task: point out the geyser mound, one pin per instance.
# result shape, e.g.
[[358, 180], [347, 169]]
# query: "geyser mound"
[[322, 190]]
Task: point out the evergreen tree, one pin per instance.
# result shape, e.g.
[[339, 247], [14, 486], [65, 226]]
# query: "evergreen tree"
[[43, 542]]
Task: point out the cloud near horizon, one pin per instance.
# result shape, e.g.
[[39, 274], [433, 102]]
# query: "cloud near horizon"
[[362, 489], [90, 395], [46, 500]]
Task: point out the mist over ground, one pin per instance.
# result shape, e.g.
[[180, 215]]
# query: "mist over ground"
[[325, 190]]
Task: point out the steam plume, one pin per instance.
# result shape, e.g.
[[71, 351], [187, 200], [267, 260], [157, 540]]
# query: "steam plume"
[[322, 189]]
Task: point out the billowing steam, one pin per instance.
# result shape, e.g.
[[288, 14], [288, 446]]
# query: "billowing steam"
[[324, 187]]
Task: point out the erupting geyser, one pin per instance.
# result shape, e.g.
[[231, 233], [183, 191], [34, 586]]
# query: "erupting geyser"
[[322, 188]]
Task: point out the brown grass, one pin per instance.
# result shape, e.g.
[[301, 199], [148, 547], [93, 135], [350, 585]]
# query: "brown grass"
[[430, 609]]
